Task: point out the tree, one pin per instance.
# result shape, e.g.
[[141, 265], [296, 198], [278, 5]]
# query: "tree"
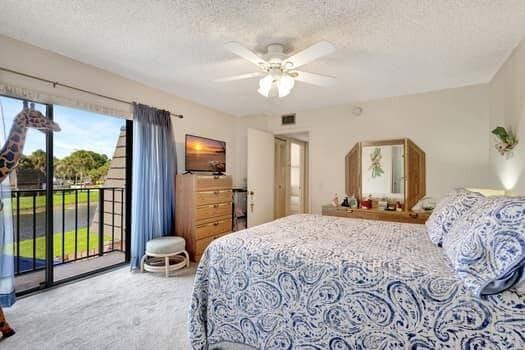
[[25, 162], [38, 158], [99, 174], [59, 169], [81, 165], [100, 159]]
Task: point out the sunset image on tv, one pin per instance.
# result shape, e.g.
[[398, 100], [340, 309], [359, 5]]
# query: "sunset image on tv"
[[204, 154]]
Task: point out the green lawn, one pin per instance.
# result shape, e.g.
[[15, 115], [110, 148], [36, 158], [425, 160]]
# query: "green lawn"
[[27, 202], [26, 246]]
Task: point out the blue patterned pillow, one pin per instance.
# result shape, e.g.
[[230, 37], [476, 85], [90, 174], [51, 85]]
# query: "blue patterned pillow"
[[454, 205], [487, 245]]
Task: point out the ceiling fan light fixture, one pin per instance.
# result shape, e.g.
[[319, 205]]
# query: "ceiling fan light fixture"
[[276, 86], [285, 85], [283, 93], [265, 85]]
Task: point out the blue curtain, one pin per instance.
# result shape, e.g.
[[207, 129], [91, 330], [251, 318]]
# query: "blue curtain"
[[153, 180], [7, 272]]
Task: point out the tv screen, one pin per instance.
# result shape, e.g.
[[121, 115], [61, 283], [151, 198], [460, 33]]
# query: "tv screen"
[[203, 154]]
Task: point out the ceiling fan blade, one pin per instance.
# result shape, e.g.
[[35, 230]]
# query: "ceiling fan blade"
[[313, 78], [309, 54], [239, 77], [243, 52]]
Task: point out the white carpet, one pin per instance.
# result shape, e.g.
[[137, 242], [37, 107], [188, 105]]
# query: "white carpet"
[[115, 310]]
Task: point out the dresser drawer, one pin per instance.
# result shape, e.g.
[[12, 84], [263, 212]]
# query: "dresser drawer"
[[213, 210], [202, 244], [213, 182], [417, 218], [222, 225], [212, 197]]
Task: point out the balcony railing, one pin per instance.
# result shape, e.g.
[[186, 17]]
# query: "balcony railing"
[[87, 223]]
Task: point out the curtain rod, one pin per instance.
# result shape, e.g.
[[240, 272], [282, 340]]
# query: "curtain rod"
[[56, 83]]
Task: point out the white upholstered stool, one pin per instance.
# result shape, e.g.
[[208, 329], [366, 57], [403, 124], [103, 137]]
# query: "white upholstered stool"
[[165, 254]]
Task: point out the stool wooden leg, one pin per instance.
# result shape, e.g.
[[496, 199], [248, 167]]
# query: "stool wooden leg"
[[167, 265], [187, 258], [4, 326]]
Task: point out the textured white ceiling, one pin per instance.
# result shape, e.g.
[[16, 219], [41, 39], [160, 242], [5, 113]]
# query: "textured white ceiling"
[[383, 47]]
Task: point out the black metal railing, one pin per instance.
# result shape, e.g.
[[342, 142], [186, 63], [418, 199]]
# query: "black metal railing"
[[83, 228]]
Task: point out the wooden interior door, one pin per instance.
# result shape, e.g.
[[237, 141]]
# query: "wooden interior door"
[[261, 151], [296, 177], [415, 174], [353, 172], [281, 177]]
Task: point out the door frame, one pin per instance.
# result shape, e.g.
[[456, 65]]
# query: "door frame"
[[285, 135], [280, 208], [303, 175]]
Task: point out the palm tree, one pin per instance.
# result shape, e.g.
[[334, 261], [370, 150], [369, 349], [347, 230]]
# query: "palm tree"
[[38, 158]]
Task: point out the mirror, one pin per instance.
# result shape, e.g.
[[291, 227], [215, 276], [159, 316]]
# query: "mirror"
[[398, 169], [383, 171], [392, 169]]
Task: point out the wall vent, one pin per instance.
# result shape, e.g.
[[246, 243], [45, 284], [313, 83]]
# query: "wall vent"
[[288, 119]]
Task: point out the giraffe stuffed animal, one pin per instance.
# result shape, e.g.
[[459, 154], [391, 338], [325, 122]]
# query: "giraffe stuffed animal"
[[10, 154]]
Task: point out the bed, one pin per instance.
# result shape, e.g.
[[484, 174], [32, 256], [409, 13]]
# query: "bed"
[[319, 282]]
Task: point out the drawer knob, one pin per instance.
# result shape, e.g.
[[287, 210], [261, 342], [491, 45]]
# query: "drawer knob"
[[215, 205], [216, 177], [215, 192], [216, 223]]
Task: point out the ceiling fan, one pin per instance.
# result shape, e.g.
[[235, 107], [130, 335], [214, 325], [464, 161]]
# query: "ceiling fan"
[[280, 72]]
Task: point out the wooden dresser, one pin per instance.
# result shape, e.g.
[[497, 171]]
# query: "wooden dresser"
[[203, 210], [375, 214]]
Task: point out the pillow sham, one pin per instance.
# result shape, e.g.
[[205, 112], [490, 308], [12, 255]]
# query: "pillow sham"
[[487, 245], [448, 211]]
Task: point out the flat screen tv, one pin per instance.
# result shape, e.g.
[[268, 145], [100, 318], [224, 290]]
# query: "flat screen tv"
[[203, 154]]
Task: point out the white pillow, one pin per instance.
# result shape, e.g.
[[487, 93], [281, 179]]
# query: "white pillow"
[[452, 207], [487, 246]]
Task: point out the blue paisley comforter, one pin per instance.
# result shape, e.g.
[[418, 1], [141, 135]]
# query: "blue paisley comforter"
[[319, 282]]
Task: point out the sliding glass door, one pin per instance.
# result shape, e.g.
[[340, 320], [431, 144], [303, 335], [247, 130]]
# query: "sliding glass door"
[[28, 204], [69, 195], [89, 191]]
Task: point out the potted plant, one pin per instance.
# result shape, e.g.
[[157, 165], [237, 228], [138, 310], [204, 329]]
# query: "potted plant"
[[506, 141]]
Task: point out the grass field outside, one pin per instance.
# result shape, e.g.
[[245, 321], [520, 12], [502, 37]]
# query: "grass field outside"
[[26, 246], [26, 203]]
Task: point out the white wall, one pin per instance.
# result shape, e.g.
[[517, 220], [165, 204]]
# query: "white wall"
[[198, 120], [449, 125], [507, 108]]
